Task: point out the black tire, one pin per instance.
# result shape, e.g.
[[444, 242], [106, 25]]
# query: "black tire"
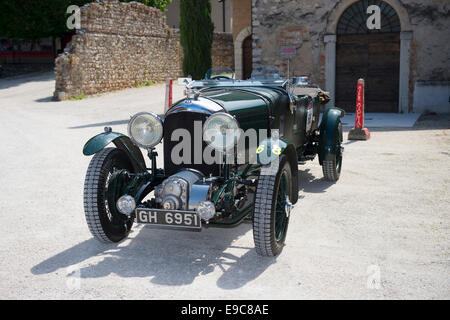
[[332, 168], [103, 225], [269, 234]]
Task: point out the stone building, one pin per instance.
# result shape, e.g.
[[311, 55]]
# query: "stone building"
[[405, 62], [125, 44], [230, 17]]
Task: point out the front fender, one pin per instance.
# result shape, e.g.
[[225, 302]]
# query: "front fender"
[[270, 149], [328, 131], [122, 142]]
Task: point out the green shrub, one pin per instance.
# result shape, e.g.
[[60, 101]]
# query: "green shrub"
[[80, 97], [37, 19], [196, 36]]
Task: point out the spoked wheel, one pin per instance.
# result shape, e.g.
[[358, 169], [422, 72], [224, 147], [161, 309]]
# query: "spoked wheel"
[[272, 208], [332, 168], [104, 221]]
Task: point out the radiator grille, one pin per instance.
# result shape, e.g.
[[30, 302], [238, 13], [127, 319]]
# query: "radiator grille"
[[186, 121]]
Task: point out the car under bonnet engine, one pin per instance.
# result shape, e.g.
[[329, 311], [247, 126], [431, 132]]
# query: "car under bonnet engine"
[[174, 192]]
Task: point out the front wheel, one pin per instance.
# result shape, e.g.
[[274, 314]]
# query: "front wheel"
[[272, 207], [103, 220]]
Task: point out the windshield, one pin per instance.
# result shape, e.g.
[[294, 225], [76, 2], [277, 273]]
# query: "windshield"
[[219, 73]]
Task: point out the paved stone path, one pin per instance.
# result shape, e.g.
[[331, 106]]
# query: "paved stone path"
[[383, 231]]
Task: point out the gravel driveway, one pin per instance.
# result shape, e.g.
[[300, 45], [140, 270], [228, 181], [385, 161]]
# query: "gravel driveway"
[[381, 232]]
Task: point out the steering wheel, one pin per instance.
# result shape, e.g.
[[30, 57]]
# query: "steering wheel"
[[220, 78]]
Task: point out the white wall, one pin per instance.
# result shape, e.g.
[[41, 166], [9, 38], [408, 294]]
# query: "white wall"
[[432, 96]]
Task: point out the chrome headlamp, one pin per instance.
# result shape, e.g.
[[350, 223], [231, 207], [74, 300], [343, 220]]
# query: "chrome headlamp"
[[145, 129], [221, 131]]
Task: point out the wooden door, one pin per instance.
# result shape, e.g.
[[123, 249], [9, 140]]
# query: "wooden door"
[[376, 59], [247, 55]]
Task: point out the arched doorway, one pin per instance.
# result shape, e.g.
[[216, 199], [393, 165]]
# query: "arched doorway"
[[247, 57], [241, 57], [373, 55]]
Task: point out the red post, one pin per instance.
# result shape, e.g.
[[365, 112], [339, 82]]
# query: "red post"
[[169, 95], [359, 132], [170, 92], [359, 117]]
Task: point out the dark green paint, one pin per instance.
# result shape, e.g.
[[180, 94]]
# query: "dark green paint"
[[270, 149], [249, 109], [328, 132], [255, 106], [235, 219], [115, 189], [100, 141]]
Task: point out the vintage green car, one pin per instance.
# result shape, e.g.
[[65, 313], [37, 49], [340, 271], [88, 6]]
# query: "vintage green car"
[[231, 154]]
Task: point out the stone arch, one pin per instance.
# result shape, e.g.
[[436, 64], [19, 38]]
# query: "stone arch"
[[405, 47], [238, 42], [337, 12]]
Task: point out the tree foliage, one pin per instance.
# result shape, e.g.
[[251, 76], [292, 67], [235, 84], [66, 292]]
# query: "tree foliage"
[[160, 4], [34, 19], [196, 36]]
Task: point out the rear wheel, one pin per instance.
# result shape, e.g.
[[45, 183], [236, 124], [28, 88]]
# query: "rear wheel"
[[332, 168], [272, 208], [103, 220]]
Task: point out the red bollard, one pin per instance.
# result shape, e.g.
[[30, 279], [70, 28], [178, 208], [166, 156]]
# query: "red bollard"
[[359, 132], [169, 86]]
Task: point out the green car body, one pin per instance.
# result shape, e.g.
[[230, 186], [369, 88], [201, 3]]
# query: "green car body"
[[290, 120]]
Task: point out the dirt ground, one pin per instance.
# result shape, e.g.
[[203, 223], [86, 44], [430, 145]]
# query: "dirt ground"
[[381, 232]]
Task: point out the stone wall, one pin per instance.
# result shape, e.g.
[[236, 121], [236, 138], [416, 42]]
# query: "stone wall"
[[431, 39], [121, 45], [305, 25], [222, 51], [302, 24]]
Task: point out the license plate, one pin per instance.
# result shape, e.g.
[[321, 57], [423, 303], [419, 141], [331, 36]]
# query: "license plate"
[[185, 219]]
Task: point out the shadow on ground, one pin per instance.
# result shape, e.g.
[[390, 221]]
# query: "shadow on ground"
[[165, 257], [46, 99], [15, 81], [308, 183]]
